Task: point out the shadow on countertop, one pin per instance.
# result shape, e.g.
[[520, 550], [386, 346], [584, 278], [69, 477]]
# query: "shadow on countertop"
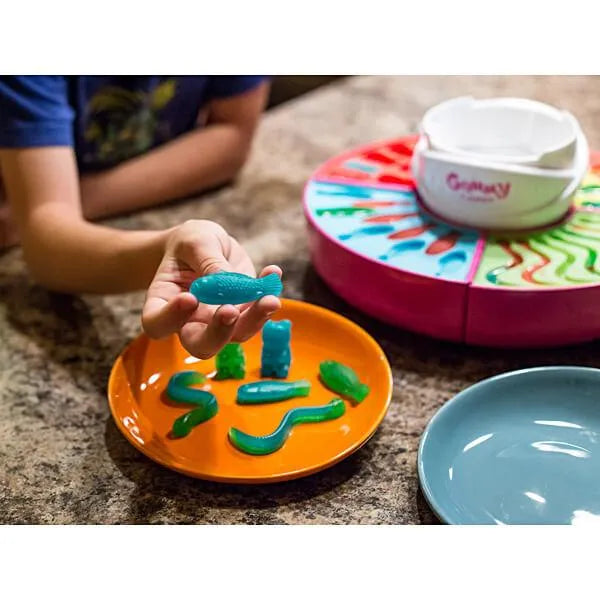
[[157, 486]]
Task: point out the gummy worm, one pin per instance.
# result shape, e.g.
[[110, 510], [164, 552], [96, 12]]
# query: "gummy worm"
[[184, 424], [178, 390], [267, 444]]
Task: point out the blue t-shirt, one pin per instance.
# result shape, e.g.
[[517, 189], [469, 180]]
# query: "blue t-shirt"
[[107, 119]]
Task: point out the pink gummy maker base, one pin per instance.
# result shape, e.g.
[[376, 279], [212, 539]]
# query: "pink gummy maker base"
[[456, 309]]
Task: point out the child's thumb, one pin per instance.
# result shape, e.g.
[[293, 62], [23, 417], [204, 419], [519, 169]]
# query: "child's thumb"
[[207, 257], [214, 264]]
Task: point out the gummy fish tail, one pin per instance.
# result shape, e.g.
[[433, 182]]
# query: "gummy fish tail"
[[360, 392], [271, 285], [302, 387]]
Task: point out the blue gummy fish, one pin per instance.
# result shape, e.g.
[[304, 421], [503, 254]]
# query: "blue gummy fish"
[[235, 288]]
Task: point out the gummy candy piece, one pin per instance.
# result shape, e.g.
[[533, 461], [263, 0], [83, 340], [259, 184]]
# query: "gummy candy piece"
[[179, 391], [235, 288], [343, 380], [276, 355], [184, 424], [272, 391], [178, 388], [267, 444], [231, 363]]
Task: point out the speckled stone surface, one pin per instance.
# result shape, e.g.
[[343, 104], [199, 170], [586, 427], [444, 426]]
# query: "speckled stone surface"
[[62, 460]]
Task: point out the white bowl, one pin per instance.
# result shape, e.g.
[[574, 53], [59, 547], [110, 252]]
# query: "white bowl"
[[504, 130], [476, 189]]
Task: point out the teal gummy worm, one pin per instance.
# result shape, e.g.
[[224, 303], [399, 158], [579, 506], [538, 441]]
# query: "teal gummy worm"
[[261, 392], [267, 444], [235, 288], [178, 388], [205, 402]]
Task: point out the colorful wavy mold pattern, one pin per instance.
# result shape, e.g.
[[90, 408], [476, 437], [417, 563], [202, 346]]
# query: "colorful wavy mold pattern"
[[588, 195], [365, 199], [567, 254], [387, 225], [387, 163]]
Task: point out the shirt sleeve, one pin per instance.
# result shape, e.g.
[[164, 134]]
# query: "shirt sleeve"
[[35, 111], [224, 86]]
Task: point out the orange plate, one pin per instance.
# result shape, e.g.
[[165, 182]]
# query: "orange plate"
[[145, 416]]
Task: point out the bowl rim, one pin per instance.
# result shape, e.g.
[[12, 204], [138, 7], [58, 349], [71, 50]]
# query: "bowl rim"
[[510, 215], [446, 112], [450, 405], [580, 162]]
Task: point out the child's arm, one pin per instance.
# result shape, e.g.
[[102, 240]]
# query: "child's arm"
[[198, 160], [66, 253]]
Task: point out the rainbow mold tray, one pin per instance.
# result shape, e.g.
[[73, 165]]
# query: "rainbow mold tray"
[[375, 246]]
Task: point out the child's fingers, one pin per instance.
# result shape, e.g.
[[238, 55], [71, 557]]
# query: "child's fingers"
[[252, 319], [237, 256], [161, 317], [206, 257], [271, 269], [204, 341], [266, 271]]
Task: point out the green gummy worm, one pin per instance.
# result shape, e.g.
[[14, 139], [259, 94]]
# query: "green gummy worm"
[[184, 424], [267, 444]]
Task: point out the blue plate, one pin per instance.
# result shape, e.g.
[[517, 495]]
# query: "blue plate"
[[520, 448]]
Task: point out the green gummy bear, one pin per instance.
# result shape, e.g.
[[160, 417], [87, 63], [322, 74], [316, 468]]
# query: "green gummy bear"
[[231, 363], [343, 380]]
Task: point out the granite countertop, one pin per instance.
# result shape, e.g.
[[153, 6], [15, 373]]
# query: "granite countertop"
[[62, 459]]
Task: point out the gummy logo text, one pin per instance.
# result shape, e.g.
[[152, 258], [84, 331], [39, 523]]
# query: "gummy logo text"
[[491, 190]]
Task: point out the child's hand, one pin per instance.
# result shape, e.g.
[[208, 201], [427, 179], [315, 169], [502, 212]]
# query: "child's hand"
[[194, 249]]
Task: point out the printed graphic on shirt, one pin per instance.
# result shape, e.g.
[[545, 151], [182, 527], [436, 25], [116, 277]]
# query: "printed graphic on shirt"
[[121, 123]]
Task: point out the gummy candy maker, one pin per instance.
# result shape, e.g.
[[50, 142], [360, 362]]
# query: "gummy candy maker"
[[376, 246]]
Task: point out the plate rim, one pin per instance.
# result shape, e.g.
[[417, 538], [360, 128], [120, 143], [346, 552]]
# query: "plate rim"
[[261, 479], [435, 506]]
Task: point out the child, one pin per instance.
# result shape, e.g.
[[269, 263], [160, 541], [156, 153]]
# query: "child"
[[73, 149]]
